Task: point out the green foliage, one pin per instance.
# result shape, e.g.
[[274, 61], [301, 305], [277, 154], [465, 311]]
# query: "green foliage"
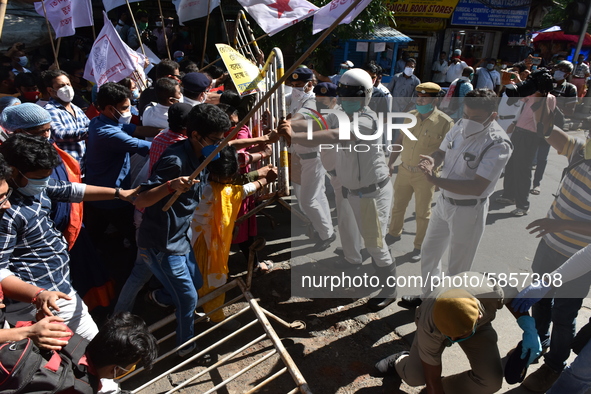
[[297, 39], [557, 14]]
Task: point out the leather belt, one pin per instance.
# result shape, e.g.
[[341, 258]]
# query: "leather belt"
[[306, 156], [411, 168], [465, 203], [366, 190], [507, 117], [332, 172]]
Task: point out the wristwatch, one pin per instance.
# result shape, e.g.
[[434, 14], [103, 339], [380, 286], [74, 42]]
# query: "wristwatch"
[[117, 193]]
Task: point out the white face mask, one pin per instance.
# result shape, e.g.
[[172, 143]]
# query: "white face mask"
[[124, 118], [298, 94], [559, 75], [408, 71], [472, 127], [65, 94]]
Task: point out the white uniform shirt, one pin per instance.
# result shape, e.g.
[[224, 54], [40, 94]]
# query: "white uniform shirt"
[[305, 108], [454, 71], [155, 115], [442, 68], [361, 169], [457, 145]]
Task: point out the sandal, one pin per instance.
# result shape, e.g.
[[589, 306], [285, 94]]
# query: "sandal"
[[264, 267], [535, 191]]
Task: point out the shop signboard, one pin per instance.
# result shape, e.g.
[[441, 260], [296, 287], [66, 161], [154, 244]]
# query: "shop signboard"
[[423, 8], [417, 23], [496, 13]]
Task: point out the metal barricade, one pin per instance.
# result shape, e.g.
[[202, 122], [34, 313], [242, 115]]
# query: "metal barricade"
[[244, 41]]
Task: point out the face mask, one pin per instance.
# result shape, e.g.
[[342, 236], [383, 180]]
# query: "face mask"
[[142, 26], [127, 372], [135, 94], [31, 96], [34, 186], [65, 94], [124, 118], [178, 59], [423, 109], [408, 71], [23, 60], [158, 24], [351, 106], [559, 75], [297, 94], [342, 70], [471, 77], [534, 68], [490, 66], [208, 150], [472, 127]]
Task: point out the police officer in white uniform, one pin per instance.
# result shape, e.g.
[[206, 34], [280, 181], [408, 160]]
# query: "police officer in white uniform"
[[311, 193], [363, 174], [474, 153]]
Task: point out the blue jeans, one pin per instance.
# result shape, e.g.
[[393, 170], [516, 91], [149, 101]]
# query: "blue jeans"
[[561, 312], [181, 278], [576, 378], [140, 275]]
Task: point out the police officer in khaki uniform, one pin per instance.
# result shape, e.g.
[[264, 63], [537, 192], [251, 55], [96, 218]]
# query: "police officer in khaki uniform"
[[431, 128]]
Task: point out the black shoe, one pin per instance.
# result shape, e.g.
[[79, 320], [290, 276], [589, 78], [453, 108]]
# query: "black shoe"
[[323, 245], [410, 302], [386, 366], [390, 239], [377, 304], [339, 251], [415, 255]]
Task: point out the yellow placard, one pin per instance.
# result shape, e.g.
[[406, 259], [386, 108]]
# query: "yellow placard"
[[423, 24], [423, 8], [245, 75]]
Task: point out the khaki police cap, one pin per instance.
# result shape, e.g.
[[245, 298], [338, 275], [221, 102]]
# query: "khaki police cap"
[[428, 87]]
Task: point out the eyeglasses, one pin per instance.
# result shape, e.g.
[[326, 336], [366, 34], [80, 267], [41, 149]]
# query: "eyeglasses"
[[8, 194], [215, 141]]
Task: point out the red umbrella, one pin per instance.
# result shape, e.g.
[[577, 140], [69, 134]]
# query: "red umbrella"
[[560, 36]]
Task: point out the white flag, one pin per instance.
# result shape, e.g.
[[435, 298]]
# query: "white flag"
[[193, 9], [330, 12], [110, 4], [66, 15], [276, 15], [110, 59]]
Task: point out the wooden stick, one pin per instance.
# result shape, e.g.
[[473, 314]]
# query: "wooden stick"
[[59, 43], [262, 101], [205, 35], [223, 20], [137, 31], [3, 4], [164, 30], [50, 36]]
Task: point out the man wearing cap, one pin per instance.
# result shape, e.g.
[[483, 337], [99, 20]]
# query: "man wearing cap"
[[311, 193], [474, 153], [463, 315], [487, 77], [334, 79], [403, 87], [456, 66], [195, 88], [430, 130]]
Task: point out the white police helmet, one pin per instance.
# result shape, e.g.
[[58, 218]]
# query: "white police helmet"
[[356, 83]]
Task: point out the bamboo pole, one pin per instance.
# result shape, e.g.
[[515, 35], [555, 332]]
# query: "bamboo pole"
[[260, 103], [3, 4], [137, 31], [219, 58], [49, 32], [164, 30], [205, 35], [224, 22]]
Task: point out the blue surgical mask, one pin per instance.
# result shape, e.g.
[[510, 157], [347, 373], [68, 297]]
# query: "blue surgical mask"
[[135, 94], [351, 106], [423, 109], [178, 59], [490, 66], [34, 186], [208, 150], [462, 339]]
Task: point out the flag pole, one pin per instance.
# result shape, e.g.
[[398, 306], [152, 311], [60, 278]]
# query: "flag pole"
[[206, 28], [59, 43], [164, 30], [3, 4], [137, 31], [262, 101], [223, 21], [248, 43], [50, 36]]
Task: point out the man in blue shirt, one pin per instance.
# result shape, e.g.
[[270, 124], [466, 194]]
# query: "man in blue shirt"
[[111, 142], [164, 239], [32, 250]]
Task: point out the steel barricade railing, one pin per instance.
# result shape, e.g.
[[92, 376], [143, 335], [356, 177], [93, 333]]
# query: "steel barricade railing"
[[244, 41]]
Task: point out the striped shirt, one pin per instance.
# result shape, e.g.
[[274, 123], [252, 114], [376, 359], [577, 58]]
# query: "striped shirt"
[[573, 202], [162, 141], [30, 246], [69, 132]]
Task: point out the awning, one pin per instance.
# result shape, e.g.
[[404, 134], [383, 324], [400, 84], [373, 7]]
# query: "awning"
[[383, 34]]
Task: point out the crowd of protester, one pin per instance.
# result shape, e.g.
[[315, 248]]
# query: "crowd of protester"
[[87, 170]]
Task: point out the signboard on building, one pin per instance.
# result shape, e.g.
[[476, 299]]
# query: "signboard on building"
[[423, 8], [423, 24], [496, 13]]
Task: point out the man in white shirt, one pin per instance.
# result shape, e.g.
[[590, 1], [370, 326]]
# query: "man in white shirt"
[[456, 67], [439, 68], [168, 92], [487, 77]]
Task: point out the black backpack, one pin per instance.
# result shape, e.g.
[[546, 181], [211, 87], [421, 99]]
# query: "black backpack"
[[24, 368]]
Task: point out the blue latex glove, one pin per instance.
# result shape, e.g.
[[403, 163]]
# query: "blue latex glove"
[[529, 296], [530, 339]]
